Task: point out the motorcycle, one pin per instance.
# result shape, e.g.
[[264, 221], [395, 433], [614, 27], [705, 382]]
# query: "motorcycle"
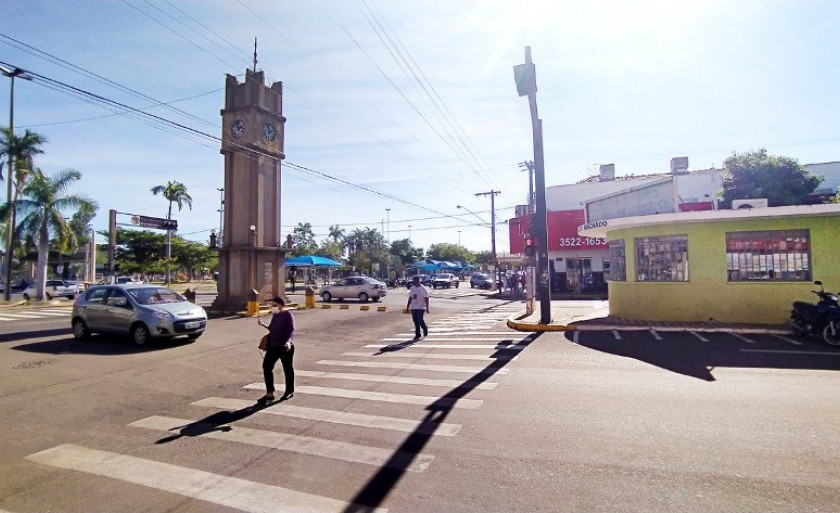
[[821, 319]]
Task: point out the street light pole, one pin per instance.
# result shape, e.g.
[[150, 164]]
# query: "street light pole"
[[10, 173], [525, 76]]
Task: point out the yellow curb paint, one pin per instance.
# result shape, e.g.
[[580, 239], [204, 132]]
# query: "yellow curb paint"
[[381, 308], [523, 326], [364, 308], [344, 307], [326, 307]]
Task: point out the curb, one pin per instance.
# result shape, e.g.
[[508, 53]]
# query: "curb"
[[515, 324]]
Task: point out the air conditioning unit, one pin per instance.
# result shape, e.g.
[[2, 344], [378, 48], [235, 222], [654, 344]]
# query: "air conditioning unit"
[[749, 203]]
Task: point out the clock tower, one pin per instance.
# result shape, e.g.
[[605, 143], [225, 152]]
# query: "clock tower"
[[251, 256]]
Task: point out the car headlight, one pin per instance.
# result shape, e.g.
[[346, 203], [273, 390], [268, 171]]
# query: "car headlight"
[[160, 314]]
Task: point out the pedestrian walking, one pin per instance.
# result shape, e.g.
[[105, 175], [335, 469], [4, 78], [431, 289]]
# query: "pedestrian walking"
[[418, 304], [280, 346]]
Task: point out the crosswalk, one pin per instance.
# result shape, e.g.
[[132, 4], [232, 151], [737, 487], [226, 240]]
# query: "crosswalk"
[[449, 370], [40, 313]]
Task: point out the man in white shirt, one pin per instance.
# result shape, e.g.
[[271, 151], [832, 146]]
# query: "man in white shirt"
[[418, 303]]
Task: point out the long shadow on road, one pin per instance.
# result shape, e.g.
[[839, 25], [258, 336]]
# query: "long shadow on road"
[[686, 354], [377, 489]]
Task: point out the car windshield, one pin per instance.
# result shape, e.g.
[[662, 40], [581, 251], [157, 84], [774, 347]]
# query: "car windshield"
[[155, 295]]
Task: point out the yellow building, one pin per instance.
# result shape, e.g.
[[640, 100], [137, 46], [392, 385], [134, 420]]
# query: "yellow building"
[[746, 265]]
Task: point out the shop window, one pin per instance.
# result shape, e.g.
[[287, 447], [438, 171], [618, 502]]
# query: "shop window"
[[662, 258], [615, 268], [778, 255]]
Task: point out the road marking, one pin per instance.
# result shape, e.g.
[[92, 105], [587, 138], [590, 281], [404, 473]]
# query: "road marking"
[[22, 316], [414, 366], [421, 400], [699, 336], [433, 356], [655, 335], [337, 417], [745, 339], [332, 449], [52, 313], [792, 341], [616, 334], [8, 319], [231, 492], [448, 332], [421, 345], [790, 351], [402, 380], [441, 338]]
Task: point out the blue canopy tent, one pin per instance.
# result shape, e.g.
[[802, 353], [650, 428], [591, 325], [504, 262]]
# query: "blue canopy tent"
[[311, 261]]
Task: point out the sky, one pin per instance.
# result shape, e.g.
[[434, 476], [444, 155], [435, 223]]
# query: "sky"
[[408, 109]]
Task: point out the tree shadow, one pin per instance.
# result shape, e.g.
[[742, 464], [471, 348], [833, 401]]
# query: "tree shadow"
[[383, 482], [19, 336], [102, 345], [686, 354]]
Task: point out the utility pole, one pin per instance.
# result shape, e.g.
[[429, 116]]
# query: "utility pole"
[[529, 166], [492, 195], [525, 76], [10, 173]]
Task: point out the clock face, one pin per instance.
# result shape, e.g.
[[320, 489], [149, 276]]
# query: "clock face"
[[269, 133], [237, 129]]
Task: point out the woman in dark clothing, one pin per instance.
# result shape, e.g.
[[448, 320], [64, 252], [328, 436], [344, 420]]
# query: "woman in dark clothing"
[[281, 329]]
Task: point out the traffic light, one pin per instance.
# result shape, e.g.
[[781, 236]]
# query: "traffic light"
[[170, 224], [529, 246]]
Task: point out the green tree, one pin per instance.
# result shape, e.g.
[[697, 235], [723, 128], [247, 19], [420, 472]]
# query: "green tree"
[[367, 248], [336, 233], [191, 256], [302, 234], [139, 251], [406, 252], [484, 258], [331, 249], [42, 208], [782, 180], [450, 252]]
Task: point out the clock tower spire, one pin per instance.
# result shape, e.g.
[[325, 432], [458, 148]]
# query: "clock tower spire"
[[251, 256]]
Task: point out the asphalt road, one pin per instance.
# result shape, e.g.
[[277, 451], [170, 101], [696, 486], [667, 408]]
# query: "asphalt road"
[[474, 418]]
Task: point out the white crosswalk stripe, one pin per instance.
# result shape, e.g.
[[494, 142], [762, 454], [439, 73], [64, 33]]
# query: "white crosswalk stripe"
[[420, 400], [400, 380], [398, 347], [231, 492], [433, 356], [336, 417], [414, 366], [332, 449], [34, 314]]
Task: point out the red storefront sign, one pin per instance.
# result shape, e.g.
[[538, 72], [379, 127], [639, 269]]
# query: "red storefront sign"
[[562, 233]]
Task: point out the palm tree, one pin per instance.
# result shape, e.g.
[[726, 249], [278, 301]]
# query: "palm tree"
[[42, 208], [336, 233], [175, 192], [19, 153], [303, 234]]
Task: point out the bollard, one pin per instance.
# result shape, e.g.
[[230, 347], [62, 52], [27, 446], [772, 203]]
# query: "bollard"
[[310, 296], [253, 303]]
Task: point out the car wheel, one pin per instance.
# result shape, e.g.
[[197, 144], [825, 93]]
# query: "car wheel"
[[25, 296], [80, 329], [140, 334], [363, 297], [327, 297]]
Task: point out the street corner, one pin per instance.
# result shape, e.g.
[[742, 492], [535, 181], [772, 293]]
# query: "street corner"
[[529, 323]]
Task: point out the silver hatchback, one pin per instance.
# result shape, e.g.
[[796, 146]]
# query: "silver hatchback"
[[143, 311]]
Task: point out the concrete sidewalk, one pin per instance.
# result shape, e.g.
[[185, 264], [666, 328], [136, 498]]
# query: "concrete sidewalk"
[[531, 323]]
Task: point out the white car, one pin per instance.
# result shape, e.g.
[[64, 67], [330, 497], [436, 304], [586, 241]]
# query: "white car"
[[55, 288], [445, 280], [362, 288]]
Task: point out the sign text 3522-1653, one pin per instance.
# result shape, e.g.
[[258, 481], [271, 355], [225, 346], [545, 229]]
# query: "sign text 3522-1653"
[[567, 242]]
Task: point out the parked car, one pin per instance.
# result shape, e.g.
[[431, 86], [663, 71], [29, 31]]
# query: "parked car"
[[143, 311], [425, 279], [55, 288], [480, 280], [445, 280], [361, 287], [127, 279]]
